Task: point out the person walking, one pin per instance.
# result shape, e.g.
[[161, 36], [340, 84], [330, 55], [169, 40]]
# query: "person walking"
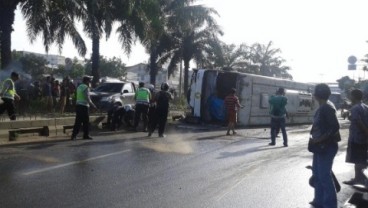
[[323, 144], [55, 94], [278, 115], [356, 152], [82, 109], [8, 95], [142, 101], [162, 100], [47, 93], [232, 105]]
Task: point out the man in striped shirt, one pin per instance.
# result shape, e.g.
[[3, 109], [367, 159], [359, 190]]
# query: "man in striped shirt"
[[232, 105]]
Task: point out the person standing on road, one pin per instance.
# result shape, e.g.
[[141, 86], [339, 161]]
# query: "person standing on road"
[[162, 100], [142, 101], [82, 109], [278, 115], [325, 135], [8, 95], [356, 152], [232, 105]]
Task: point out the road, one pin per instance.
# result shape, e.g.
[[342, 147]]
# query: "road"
[[189, 168]]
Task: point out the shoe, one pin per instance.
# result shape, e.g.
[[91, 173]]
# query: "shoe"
[[314, 204], [73, 138], [227, 134], [350, 182], [149, 134], [285, 145], [234, 133], [88, 138], [162, 135], [272, 144]]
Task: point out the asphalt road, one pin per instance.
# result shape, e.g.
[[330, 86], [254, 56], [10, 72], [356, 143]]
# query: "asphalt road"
[[189, 168]]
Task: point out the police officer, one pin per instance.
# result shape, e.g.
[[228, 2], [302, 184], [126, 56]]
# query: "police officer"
[[8, 94], [82, 107], [162, 99], [142, 101]]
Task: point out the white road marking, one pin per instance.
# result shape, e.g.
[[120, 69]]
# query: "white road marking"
[[73, 163]]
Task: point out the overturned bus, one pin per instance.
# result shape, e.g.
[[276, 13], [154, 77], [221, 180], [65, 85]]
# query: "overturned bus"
[[209, 88]]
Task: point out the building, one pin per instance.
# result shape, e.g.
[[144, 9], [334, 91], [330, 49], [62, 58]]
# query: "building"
[[53, 60], [140, 73]]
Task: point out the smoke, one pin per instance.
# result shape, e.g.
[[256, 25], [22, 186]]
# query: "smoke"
[[169, 144], [16, 66]]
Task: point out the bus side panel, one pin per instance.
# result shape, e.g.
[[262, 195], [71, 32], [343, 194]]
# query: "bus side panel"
[[244, 91], [300, 104]]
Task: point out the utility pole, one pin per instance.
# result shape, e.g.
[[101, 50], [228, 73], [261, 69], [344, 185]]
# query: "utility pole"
[[180, 77]]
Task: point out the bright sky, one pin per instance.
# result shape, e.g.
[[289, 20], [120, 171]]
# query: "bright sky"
[[316, 36]]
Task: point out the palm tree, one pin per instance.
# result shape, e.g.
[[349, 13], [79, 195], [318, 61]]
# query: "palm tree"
[[53, 20], [268, 60], [97, 18], [155, 37], [7, 14], [193, 33], [230, 57]]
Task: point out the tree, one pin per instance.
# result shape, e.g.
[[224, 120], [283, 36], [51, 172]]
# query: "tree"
[[268, 60], [97, 18], [345, 83], [193, 32], [53, 20], [34, 65], [155, 37], [229, 57], [7, 14], [111, 67], [76, 71]]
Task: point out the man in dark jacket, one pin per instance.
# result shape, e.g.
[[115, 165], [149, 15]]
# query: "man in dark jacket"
[[162, 100]]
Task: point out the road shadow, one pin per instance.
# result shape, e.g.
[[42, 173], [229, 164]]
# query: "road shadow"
[[224, 155], [222, 137], [41, 146]]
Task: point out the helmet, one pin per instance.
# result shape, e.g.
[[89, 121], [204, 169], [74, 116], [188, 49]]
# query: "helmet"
[[128, 107], [165, 86], [151, 87]]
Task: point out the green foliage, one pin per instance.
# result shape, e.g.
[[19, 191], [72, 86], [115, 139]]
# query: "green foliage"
[[34, 65], [255, 59], [77, 70], [346, 84], [111, 67], [192, 32]]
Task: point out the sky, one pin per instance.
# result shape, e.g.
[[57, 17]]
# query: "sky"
[[316, 37]]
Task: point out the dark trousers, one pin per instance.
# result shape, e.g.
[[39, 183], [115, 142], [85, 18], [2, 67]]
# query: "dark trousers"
[[117, 116], [159, 120], [9, 106], [276, 125], [151, 115], [141, 110], [82, 117]]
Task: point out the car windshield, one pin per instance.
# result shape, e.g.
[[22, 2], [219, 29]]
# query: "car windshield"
[[109, 87]]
